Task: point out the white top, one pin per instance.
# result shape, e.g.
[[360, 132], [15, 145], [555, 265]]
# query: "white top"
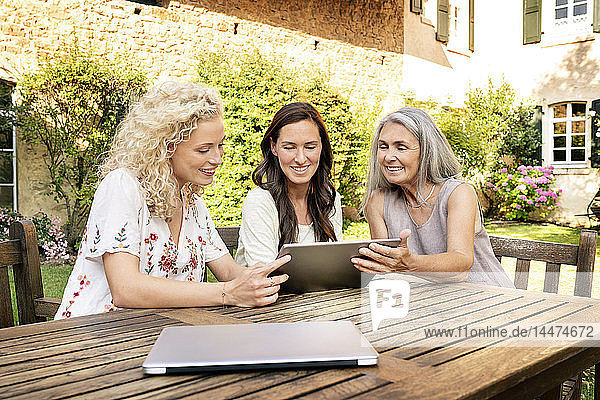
[[259, 231], [120, 221]]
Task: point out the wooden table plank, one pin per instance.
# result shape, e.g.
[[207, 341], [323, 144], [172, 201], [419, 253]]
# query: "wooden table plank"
[[49, 367], [83, 333], [303, 385], [347, 389], [97, 342], [225, 386], [23, 331]]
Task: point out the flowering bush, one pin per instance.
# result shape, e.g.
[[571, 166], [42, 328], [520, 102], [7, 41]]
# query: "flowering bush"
[[520, 192], [51, 238], [6, 218]]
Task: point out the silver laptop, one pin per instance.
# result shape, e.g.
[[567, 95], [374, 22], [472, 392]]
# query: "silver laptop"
[[183, 349], [324, 265]]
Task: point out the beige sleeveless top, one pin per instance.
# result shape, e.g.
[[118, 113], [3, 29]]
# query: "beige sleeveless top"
[[431, 237]]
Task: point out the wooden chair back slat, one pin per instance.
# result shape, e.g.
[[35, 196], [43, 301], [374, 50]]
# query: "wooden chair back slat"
[[21, 252], [522, 273], [10, 253], [28, 276], [230, 235], [6, 310], [551, 278], [559, 253], [586, 258]]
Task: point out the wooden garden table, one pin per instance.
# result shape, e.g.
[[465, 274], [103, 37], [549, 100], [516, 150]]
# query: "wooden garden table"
[[100, 356]]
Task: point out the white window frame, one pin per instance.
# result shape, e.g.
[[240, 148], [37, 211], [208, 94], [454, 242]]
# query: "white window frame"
[[458, 31], [568, 119], [13, 152], [572, 28]]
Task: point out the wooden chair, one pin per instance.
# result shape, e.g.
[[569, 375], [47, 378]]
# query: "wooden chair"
[[554, 255], [21, 252], [230, 235]]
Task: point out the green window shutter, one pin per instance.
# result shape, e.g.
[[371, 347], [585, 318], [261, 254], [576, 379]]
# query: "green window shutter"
[[472, 25], [595, 157], [537, 126], [532, 21], [443, 21], [597, 16], [416, 6]]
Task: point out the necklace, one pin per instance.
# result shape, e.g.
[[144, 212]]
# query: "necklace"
[[421, 203]]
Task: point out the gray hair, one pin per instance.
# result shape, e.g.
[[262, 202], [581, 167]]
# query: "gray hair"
[[437, 161]]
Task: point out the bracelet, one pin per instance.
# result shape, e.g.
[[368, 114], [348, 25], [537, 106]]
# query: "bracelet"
[[223, 295]]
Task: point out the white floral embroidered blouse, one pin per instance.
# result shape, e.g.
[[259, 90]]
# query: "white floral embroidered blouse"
[[119, 220]]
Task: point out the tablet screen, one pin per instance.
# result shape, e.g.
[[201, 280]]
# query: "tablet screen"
[[325, 265]]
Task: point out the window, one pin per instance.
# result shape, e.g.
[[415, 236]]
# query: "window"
[[570, 11], [567, 19], [568, 130], [8, 193], [455, 23], [459, 26]]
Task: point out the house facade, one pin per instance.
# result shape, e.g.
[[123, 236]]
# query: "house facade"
[[372, 50]]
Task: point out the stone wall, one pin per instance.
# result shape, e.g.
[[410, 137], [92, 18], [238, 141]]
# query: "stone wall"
[[357, 45]]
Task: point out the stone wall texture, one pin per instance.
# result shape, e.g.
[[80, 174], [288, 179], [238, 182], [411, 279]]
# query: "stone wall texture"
[[357, 45]]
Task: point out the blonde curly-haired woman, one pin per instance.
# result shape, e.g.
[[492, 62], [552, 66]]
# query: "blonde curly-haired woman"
[[149, 237]]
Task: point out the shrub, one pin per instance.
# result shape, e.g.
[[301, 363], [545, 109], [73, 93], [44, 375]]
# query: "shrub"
[[71, 106], [502, 125], [522, 142], [7, 217], [520, 192], [51, 237]]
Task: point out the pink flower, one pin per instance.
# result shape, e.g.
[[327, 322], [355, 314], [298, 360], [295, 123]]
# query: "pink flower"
[[530, 202], [504, 184], [518, 206], [523, 197], [503, 170]]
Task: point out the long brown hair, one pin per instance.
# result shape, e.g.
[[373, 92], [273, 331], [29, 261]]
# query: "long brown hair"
[[321, 192]]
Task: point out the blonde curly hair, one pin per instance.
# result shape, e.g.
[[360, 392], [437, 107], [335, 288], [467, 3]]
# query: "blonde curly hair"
[[147, 137]]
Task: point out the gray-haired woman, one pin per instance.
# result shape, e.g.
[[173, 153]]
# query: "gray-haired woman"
[[413, 194]]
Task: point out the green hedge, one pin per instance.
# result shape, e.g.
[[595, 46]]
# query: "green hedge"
[[253, 90]]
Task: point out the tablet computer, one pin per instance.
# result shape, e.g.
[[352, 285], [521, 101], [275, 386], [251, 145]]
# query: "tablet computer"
[[324, 265]]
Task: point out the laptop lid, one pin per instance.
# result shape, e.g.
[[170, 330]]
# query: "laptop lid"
[[324, 265], [255, 346]]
